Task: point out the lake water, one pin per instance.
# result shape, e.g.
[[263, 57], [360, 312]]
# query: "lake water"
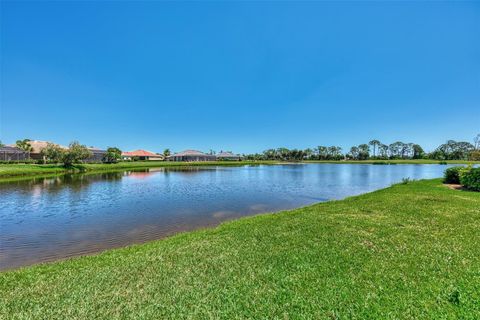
[[45, 219]]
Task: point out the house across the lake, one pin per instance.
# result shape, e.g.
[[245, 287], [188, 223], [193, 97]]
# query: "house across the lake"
[[11, 153], [142, 155], [38, 146], [191, 155], [96, 155], [228, 155]]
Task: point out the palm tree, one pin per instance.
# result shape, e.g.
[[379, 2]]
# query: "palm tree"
[[322, 152], [269, 154], [374, 144], [308, 153], [383, 149], [283, 153], [166, 152], [476, 142], [418, 152], [363, 152], [354, 152], [24, 145]]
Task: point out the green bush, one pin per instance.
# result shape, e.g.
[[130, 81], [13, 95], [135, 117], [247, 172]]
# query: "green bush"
[[406, 180], [75, 153], [113, 155], [471, 179], [475, 155], [452, 175]]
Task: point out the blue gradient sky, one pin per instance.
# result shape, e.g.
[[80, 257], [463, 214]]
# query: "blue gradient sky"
[[241, 76]]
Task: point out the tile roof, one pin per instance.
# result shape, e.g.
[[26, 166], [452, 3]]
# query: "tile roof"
[[226, 154], [38, 145], [189, 153], [94, 149], [140, 153]]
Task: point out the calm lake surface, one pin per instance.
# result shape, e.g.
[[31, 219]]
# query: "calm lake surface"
[[45, 219]]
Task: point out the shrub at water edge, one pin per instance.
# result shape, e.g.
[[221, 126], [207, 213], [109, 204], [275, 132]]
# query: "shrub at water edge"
[[452, 175], [471, 179]]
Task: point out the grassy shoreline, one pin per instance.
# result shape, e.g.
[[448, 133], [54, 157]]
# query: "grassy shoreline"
[[25, 170], [8, 171], [408, 251]]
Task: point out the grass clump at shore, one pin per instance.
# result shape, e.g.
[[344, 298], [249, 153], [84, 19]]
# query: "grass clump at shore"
[[406, 252]]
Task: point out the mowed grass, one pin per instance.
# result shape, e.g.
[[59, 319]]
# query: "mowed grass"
[[406, 252]]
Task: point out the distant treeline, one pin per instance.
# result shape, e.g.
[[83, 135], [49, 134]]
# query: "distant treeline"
[[376, 150], [373, 150]]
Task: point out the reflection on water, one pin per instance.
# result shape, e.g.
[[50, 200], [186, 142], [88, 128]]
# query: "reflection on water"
[[44, 219]]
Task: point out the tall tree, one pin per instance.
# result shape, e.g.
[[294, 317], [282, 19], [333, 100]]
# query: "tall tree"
[[75, 153], [418, 152], [474, 155], [374, 144], [334, 153], [396, 149], [308, 153], [166, 152], [406, 150], [354, 152], [112, 155], [339, 154], [363, 151], [322, 152], [282, 153], [476, 142], [269, 154], [453, 150], [383, 150], [53, 153], [296, 155]]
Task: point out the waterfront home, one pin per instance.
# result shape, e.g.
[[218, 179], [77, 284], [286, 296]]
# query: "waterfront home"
[[38, 146], [142, 155], [11, 153], [96, 155], [191, 155], [227, 155]]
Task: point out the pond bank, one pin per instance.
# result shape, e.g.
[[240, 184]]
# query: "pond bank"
[[408, 251]]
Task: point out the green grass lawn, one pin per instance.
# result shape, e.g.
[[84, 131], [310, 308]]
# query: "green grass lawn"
[[406, 252]]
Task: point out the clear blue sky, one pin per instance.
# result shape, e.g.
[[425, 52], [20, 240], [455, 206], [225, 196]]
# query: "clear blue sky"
[[241, 76]]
